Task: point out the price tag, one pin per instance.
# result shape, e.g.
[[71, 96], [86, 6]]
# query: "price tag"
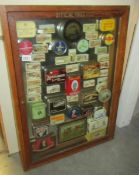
[[26, 58]]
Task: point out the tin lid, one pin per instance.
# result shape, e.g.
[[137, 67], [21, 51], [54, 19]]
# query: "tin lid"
[[82, 45], [59, 47]]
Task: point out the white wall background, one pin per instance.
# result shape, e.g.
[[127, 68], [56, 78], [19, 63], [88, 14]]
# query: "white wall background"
[[5, 95]]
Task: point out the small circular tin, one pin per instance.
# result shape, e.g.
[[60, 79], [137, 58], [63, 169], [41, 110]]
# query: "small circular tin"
[[74, 112], [82, 45], [70, 30], [104, 95], [107, 38], [59, 47]]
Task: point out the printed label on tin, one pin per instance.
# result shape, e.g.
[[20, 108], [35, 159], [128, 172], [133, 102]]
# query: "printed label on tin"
[[91, 36], [47, 28], [101, 86], [89, 97], [26, 29], [107, 25], [43, 38], [109, 39], [94, 43], [73, 98], [72, 68], [88, 83], [88, 28], [57, 119], [53, 89], [91, 71], [62, 60], [94, 125], [82, 57]]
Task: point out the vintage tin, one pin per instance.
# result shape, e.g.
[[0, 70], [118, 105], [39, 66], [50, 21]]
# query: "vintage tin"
[[73, 84], [107, 24], [53, 89], [104, 95], [40, 131], [107, 38], [37, 110], [57, 119], [70, 30], [59, 47], [82, 45], [56, 104], [55, 75], [73, 112]]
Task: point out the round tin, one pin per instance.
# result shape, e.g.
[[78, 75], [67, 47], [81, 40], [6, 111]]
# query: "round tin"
[[107, 38], [82, 45], [74, 112], [104, 95], [70, 30], [59, 47], [25, 47]]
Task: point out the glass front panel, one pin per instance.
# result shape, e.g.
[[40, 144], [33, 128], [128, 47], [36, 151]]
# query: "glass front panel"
[[67, 67]]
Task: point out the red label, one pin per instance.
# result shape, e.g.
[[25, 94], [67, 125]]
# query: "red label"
[[73, 85], [25, 47]]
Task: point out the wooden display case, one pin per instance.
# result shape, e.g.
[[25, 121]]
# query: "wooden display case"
[[65, 66]]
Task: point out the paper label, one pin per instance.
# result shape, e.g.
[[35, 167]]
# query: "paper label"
[[33, 75], [62, 60], [33, 90], [100, 113], [43, 48], [102, 80], [107, 25], [43, 38], [38, 57], [91, 36], [82, 57], [72, 55], [88, 83], [94, 43], [34, 97], [32, 67], [100, 50], [57, 119], [53, 89], [72, 68], [103, 57], [104, 64], [47, 28], [103, 72], [73, 98], [88, 28], [26, 29], [34, 82]]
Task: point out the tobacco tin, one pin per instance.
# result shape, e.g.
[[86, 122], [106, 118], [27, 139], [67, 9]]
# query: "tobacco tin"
[[53, 89], [59, 47], [40, 131], [73, 112], [57, 119], [104, 95], [82, 45]]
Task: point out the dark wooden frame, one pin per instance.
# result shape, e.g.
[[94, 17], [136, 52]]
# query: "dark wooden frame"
[[8, 16]]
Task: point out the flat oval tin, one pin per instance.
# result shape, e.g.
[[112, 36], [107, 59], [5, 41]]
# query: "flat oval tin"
[[104, 95], [60, 47]]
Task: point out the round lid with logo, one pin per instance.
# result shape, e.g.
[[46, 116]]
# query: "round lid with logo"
[[74, 112], [107, 38], [82, 45], [25, 47], [59, 47], [72, 30]]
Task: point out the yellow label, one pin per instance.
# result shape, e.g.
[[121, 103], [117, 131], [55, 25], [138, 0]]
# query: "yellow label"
[[56, 119], [107, 25], [25, 29], [109, 39]]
